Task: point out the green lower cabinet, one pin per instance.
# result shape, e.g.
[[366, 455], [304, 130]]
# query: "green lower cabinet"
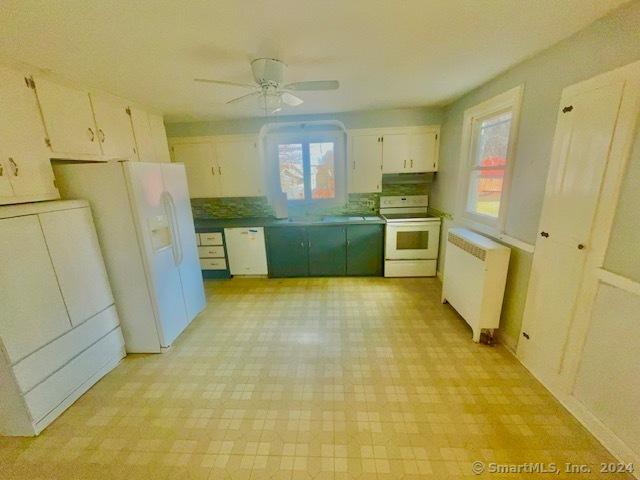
[[287, 251], [365, 247], [327, 251]]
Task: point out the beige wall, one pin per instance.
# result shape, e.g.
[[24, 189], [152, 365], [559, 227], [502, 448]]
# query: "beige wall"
[[611, 42]]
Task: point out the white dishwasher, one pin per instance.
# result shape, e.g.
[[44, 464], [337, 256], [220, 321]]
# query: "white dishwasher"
[[246, 251]]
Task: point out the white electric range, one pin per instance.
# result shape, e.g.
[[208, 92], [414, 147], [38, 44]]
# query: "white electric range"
[[412, 236]]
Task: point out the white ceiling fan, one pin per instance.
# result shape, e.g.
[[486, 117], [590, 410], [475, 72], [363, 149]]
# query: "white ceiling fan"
[[268, 74]]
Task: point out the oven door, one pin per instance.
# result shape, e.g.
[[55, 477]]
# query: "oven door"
[[412, 241]]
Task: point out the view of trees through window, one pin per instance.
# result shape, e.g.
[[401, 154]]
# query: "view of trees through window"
[[490, 163], [307, 170]]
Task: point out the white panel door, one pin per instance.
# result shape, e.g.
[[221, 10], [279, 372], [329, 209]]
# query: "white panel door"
[[68, 118], [75, 252], [24, 154], [584, 133], [152, 213], [159, 138], [240, 168], [395, 153], [33, 312], [115, 132], [365, 164], [580, 152], [142, 134], [175, 182], [203, 176], [423, 151]]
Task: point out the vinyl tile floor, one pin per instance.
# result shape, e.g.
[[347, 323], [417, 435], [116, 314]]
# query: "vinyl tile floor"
[[333, 378]]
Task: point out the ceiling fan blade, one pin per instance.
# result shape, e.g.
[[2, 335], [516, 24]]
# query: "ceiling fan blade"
[[291, 99], [239, 99], [224, 82], [314, 85]]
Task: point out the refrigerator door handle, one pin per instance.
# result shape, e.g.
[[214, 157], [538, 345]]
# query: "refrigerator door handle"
[[172, 227], [176, 228]]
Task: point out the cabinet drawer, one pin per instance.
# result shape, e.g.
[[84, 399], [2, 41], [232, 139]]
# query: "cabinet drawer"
[[53, 391], [214, 238], [211, 252], [40, 364], [213, 264]]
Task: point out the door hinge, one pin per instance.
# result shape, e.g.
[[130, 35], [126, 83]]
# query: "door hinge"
[[47, 142], [567, 109], [525, 335], [128, 110], [30, 82]]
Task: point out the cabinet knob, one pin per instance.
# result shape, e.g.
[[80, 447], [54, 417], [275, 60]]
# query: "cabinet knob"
[[101, 136], [544, 234], [91, 134], [580, 246]]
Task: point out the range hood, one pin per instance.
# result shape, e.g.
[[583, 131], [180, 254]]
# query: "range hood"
[[407, 178]]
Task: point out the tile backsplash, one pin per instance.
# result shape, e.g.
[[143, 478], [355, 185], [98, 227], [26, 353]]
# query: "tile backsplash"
[[357, 203]]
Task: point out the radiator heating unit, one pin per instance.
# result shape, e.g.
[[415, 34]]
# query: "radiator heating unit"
[[475, 274]]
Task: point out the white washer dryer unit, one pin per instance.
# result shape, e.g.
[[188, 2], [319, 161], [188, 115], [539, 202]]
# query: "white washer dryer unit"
[[412, 236]]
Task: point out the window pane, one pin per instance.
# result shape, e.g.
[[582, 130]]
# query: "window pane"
[[485, 191], [493, 140], [291, 170], [323, 180]]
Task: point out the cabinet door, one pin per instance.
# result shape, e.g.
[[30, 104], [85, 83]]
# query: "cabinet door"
[[202, 173], [73, 246], [287, 251], [68, 119], [365, 164], [423, 153], [114, 128], [142, 134], [395, 153], [159, 138], [33, 312], [24, 156], [240, 168], [327, 250], [364, 249]]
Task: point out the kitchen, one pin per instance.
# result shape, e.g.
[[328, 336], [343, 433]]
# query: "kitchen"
[[242, 252]]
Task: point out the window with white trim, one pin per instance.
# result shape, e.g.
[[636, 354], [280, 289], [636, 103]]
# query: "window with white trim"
[[488, 139], [309, 167]]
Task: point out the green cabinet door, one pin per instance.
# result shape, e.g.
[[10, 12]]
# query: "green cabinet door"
[[327, 250], [365, 246], [287, 252]]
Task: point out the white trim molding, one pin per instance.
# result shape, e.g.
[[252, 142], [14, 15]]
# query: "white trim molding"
[[618, 281]]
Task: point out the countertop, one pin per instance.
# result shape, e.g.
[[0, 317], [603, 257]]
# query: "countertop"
[[203, 224]]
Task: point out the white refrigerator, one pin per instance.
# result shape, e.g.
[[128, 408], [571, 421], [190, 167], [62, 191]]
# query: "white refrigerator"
[[145, 227]]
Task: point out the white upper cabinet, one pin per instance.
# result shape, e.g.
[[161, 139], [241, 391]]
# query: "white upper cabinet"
[[68, 119], [365, 163], [114, 130], [25, 168], [239, 167], [203, 175], [411, 151], [159, 138], [395, 153], [423, 152], [142, 133]]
